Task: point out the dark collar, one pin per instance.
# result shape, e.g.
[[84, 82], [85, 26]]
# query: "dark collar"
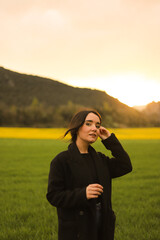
[[76, 162], [75, 153], [83, 178]]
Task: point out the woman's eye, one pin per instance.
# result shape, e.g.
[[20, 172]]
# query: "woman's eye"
[[89, 124]]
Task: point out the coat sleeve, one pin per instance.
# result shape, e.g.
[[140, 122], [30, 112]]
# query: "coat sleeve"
[[58, 194], [120, 163]]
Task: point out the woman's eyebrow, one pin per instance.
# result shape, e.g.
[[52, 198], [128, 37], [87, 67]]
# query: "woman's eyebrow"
[[92, 121]]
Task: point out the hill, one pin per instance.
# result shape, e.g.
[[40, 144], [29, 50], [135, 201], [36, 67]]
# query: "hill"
[[27, 100], [152, 111]]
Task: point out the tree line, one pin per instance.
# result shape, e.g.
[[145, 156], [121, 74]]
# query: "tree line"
[[39, 115]]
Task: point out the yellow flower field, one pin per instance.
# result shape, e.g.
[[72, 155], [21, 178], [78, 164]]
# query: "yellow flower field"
[[57, 133]]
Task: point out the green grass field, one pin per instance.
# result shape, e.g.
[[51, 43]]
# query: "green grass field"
[[25, 213]]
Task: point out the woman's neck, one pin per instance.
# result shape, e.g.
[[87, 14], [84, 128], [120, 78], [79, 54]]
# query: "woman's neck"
[[82, 146]]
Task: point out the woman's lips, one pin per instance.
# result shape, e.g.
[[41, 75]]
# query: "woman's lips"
[[93, 135]]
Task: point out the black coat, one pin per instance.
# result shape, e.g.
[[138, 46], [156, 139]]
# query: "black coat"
[[68, 179]]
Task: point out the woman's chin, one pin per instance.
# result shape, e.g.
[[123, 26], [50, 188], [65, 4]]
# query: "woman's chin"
[[92, 140]]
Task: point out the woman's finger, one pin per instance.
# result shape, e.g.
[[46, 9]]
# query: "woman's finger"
[[94, 190]]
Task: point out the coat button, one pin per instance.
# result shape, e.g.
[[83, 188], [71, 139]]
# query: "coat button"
[[81, 213]]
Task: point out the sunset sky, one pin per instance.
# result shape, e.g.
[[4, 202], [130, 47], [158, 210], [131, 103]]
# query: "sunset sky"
[[111, 45]]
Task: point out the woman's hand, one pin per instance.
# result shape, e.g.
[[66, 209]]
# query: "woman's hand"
[[94, 190], [103, 133]]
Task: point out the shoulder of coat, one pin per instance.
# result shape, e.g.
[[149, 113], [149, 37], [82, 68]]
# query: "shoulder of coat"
[[61, 157], [102, 156]]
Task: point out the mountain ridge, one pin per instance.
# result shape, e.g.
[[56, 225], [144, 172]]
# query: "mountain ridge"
[[23, 91]]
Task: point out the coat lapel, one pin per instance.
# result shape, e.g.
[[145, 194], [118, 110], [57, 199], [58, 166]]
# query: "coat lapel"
[[98, 164], [103, 176], [81, 175]]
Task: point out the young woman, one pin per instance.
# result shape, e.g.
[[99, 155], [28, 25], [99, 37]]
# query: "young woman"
[[79, 183]]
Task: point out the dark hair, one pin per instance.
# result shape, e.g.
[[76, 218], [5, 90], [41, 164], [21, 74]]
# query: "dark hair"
[[77, 121]]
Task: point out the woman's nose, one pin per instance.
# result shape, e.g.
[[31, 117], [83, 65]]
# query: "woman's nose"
[[94, 128]]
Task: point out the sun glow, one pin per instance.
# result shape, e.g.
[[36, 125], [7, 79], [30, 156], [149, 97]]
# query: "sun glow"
[[134, 89], [131, 89]]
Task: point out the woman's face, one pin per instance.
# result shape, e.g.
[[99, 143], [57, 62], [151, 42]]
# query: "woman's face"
[[89, 130]]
